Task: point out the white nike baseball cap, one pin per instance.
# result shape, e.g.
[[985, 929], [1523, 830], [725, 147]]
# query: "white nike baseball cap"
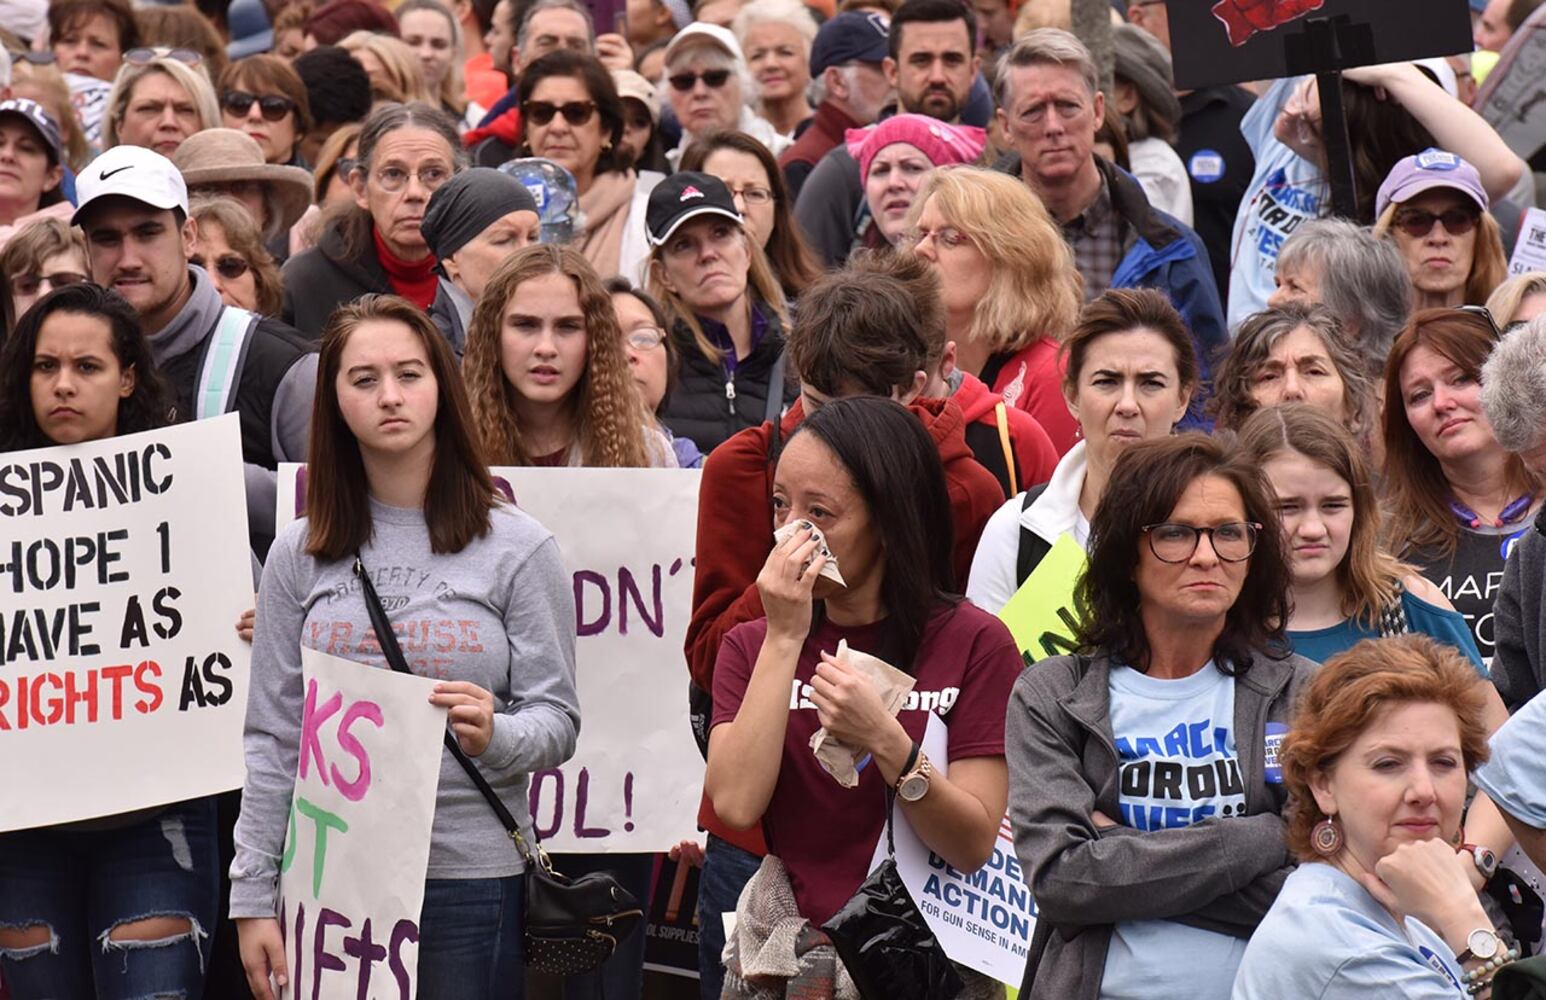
[[131, 172]]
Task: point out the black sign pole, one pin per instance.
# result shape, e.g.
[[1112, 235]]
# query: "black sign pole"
[[1339, 146]]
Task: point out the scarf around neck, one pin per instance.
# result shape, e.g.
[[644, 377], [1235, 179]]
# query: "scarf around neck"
[[414, 280]]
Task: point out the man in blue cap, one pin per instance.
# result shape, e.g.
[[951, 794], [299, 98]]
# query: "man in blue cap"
[[848, 73]]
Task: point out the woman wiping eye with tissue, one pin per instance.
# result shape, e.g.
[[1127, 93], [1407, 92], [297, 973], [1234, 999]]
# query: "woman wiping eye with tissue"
[[867, 477]]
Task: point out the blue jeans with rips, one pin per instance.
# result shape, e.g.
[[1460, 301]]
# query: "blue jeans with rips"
[[80, 886], [470, 939]]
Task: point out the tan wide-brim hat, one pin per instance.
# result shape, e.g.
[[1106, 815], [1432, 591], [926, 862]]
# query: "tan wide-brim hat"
[[228, 156]]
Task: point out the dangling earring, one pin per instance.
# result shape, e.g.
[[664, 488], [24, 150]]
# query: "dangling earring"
[[1326, 837]]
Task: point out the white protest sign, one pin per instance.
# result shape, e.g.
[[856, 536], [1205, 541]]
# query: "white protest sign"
[[1530, 250], [125, 566], [627, 537], [983, 919], [351, 879]]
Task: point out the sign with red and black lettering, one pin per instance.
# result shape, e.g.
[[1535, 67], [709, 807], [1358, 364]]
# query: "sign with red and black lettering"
[[125, 566], [1235, 41]]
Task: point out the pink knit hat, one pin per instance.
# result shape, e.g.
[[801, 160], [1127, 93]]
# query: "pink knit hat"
[[944, 144]]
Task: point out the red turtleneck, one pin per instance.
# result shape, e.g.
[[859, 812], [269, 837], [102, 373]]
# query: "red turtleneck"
[[414, 280]]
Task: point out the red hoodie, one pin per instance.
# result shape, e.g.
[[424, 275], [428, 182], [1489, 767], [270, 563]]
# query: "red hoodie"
[[735, 535], [1034, 455], [1032, 380]]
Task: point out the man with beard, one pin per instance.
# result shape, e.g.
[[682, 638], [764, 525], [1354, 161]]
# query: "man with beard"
[[932, 63]]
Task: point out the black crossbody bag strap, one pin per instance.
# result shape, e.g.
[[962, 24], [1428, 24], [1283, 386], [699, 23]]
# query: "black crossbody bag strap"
[[394, 657]]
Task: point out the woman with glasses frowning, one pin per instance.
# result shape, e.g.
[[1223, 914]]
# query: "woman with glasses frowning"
[[571, 114], [1141, 788], [41, 257], [374, 243], [160, 98]]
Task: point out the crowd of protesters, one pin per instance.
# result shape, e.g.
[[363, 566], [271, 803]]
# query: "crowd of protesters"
[[926, 296]]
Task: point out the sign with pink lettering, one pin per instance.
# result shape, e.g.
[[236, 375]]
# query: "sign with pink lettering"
[[351, 878], [627, 537], [124, 566]]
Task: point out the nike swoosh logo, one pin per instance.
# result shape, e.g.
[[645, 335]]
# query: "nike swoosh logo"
[[104, 175]]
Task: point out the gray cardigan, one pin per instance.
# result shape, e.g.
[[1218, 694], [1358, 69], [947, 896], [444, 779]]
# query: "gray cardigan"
[[1219, 874], [1519, 621]]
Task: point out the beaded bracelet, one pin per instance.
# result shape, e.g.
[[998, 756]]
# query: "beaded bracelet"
[[1481, 977]]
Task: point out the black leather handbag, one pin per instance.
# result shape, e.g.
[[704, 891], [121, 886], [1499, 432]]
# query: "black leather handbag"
[[883, 940], [571, 926]]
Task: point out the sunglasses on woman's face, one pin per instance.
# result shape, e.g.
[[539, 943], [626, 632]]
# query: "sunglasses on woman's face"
[[273, 106], [30, 284], [1417, 223], [576, 113], [143, 56], [35, 58], [229, 266], [713, 78]]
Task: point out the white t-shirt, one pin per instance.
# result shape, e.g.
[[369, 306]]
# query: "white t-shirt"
[[1285, 190], [1163, 177], [1176, 741]]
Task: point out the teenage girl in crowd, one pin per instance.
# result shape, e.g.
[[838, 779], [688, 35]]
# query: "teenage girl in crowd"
[[74, 898], [398, 479], [546, 370]]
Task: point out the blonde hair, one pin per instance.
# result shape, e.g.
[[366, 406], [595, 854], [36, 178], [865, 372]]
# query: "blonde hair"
[[191, 79], [404, 75], [1506, 299], [1035, 290], [608, 411], [1489, 263], [1036, 14], [759, 281]]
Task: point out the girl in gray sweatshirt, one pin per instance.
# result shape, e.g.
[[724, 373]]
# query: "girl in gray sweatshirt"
[[478, 598]]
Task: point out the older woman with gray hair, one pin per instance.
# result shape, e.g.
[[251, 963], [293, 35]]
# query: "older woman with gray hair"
[[1294, 354], [708, 85], [1146, 99], [776, 36], [1514, 399], [1353, 273]]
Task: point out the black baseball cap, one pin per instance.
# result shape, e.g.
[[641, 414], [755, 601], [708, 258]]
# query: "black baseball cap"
[[684, 196], [39, 119], [849, 37]]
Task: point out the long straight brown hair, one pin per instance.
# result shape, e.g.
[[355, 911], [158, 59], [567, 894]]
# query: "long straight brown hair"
[[1416, 492], [461, 492]]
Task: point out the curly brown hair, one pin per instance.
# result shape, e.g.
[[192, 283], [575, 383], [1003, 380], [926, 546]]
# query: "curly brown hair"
[[609, 413], [1232, 400], [1146, 484], [1346, 694]]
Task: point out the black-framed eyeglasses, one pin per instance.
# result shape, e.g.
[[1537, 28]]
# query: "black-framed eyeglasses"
[[31, 284], [145, 55], [229, 266], [1485, 314], [1417, 223], [541, 113], [713, 78], [1172, 542], [273, 106]]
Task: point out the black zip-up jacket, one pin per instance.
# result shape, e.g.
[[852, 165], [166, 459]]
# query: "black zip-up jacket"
[[709, 405]]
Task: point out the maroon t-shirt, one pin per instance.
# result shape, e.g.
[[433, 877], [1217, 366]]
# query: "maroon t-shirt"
[[825, 834]]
